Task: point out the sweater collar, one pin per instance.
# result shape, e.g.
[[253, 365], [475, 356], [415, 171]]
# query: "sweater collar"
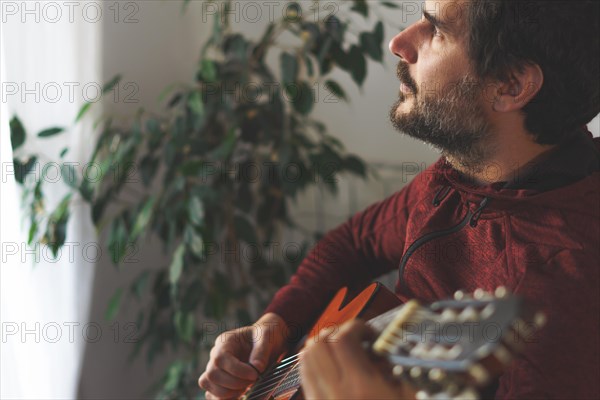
[[569, 162]]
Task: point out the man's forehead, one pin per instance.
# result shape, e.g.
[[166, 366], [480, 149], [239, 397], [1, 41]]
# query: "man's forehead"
[[450, 7], [451, 12]]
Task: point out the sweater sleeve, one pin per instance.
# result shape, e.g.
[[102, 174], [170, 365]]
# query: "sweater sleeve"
[[368, 245]]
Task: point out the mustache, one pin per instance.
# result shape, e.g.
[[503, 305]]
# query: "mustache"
[[404, 76]]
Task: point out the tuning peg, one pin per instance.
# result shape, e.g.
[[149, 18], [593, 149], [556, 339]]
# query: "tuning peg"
[[469, 314], [467, 394], [479, 374], [416, 372], [502, 355], [422, 395], [454, 352], [398, 370], [438, 352], [513, 338], [451, 389], [436, 374], [539, 319], [387, 341], [500, 292], [448, 315], [440, 396], [487, 311], [523, 328], [481, 294], [419, 350], [459, 295]]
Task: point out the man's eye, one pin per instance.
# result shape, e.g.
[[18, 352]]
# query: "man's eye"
[[435, 31]]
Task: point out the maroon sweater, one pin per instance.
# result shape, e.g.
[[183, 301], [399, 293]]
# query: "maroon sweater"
[[538, 235]]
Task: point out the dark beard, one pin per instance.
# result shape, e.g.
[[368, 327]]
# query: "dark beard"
[[452, 121]]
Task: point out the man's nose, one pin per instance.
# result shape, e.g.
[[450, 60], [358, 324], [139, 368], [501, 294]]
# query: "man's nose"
[[404, 44]]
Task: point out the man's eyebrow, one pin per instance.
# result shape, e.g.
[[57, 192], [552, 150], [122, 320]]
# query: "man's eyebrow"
[[433, 20]]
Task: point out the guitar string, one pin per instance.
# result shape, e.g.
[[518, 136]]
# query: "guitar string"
[[291, 362], [272, 382], [281, 368], [291, 376], [287, 366], [286, 361]]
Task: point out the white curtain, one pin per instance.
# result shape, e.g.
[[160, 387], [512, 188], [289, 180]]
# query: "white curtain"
[[47, 63]]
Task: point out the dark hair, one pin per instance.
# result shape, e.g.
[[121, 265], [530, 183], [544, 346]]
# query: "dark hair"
[[562, 37]]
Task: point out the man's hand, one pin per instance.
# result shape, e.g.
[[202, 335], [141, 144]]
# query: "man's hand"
[[336, 366], [239, 355]]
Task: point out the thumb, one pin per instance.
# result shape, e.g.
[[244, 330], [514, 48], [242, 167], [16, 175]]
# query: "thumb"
[[260, 354]]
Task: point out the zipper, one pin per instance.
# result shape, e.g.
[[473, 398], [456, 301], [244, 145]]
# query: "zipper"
[[437, 234]]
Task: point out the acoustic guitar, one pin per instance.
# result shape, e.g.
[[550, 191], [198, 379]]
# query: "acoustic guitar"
[[450, 349]]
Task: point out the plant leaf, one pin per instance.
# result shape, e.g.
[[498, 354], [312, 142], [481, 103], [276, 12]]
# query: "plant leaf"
[[139, 285], [17, 133], [310, 70], [195, 103], [69, 175], [355, 165], [113, 305], [196, 211], [141, 222], [378, 32], [165, 92], [208, 70], [176, 266], [86, 189], [111, 84], [361, 7], [173, 376], [335, 28], [289, 68], [84, 109], [22, 169], [359, 65], [33, 229], [50, 132], [390, 4], [336, 89], [184, 323], [293, 12], [369, 45], [301, 95], [194, 241], [117, 240]]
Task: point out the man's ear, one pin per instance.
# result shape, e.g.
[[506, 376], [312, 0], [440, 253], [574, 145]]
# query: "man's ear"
[[519, 89]]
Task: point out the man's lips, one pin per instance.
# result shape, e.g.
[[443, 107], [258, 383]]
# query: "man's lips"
[[404, 88]]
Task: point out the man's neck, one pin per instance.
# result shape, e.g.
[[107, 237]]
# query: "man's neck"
[[512, 150]]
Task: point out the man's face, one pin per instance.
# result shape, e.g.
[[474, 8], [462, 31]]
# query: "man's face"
[[440, 99]]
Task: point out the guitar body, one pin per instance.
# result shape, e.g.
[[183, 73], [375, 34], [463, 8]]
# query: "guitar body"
[[372, 301]]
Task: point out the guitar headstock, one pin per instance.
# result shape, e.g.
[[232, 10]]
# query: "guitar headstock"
[[454, 347]]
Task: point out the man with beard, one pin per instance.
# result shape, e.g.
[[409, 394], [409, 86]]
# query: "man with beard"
[[503, 89]]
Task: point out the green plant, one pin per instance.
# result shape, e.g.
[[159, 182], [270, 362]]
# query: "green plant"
[[217, 170]]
